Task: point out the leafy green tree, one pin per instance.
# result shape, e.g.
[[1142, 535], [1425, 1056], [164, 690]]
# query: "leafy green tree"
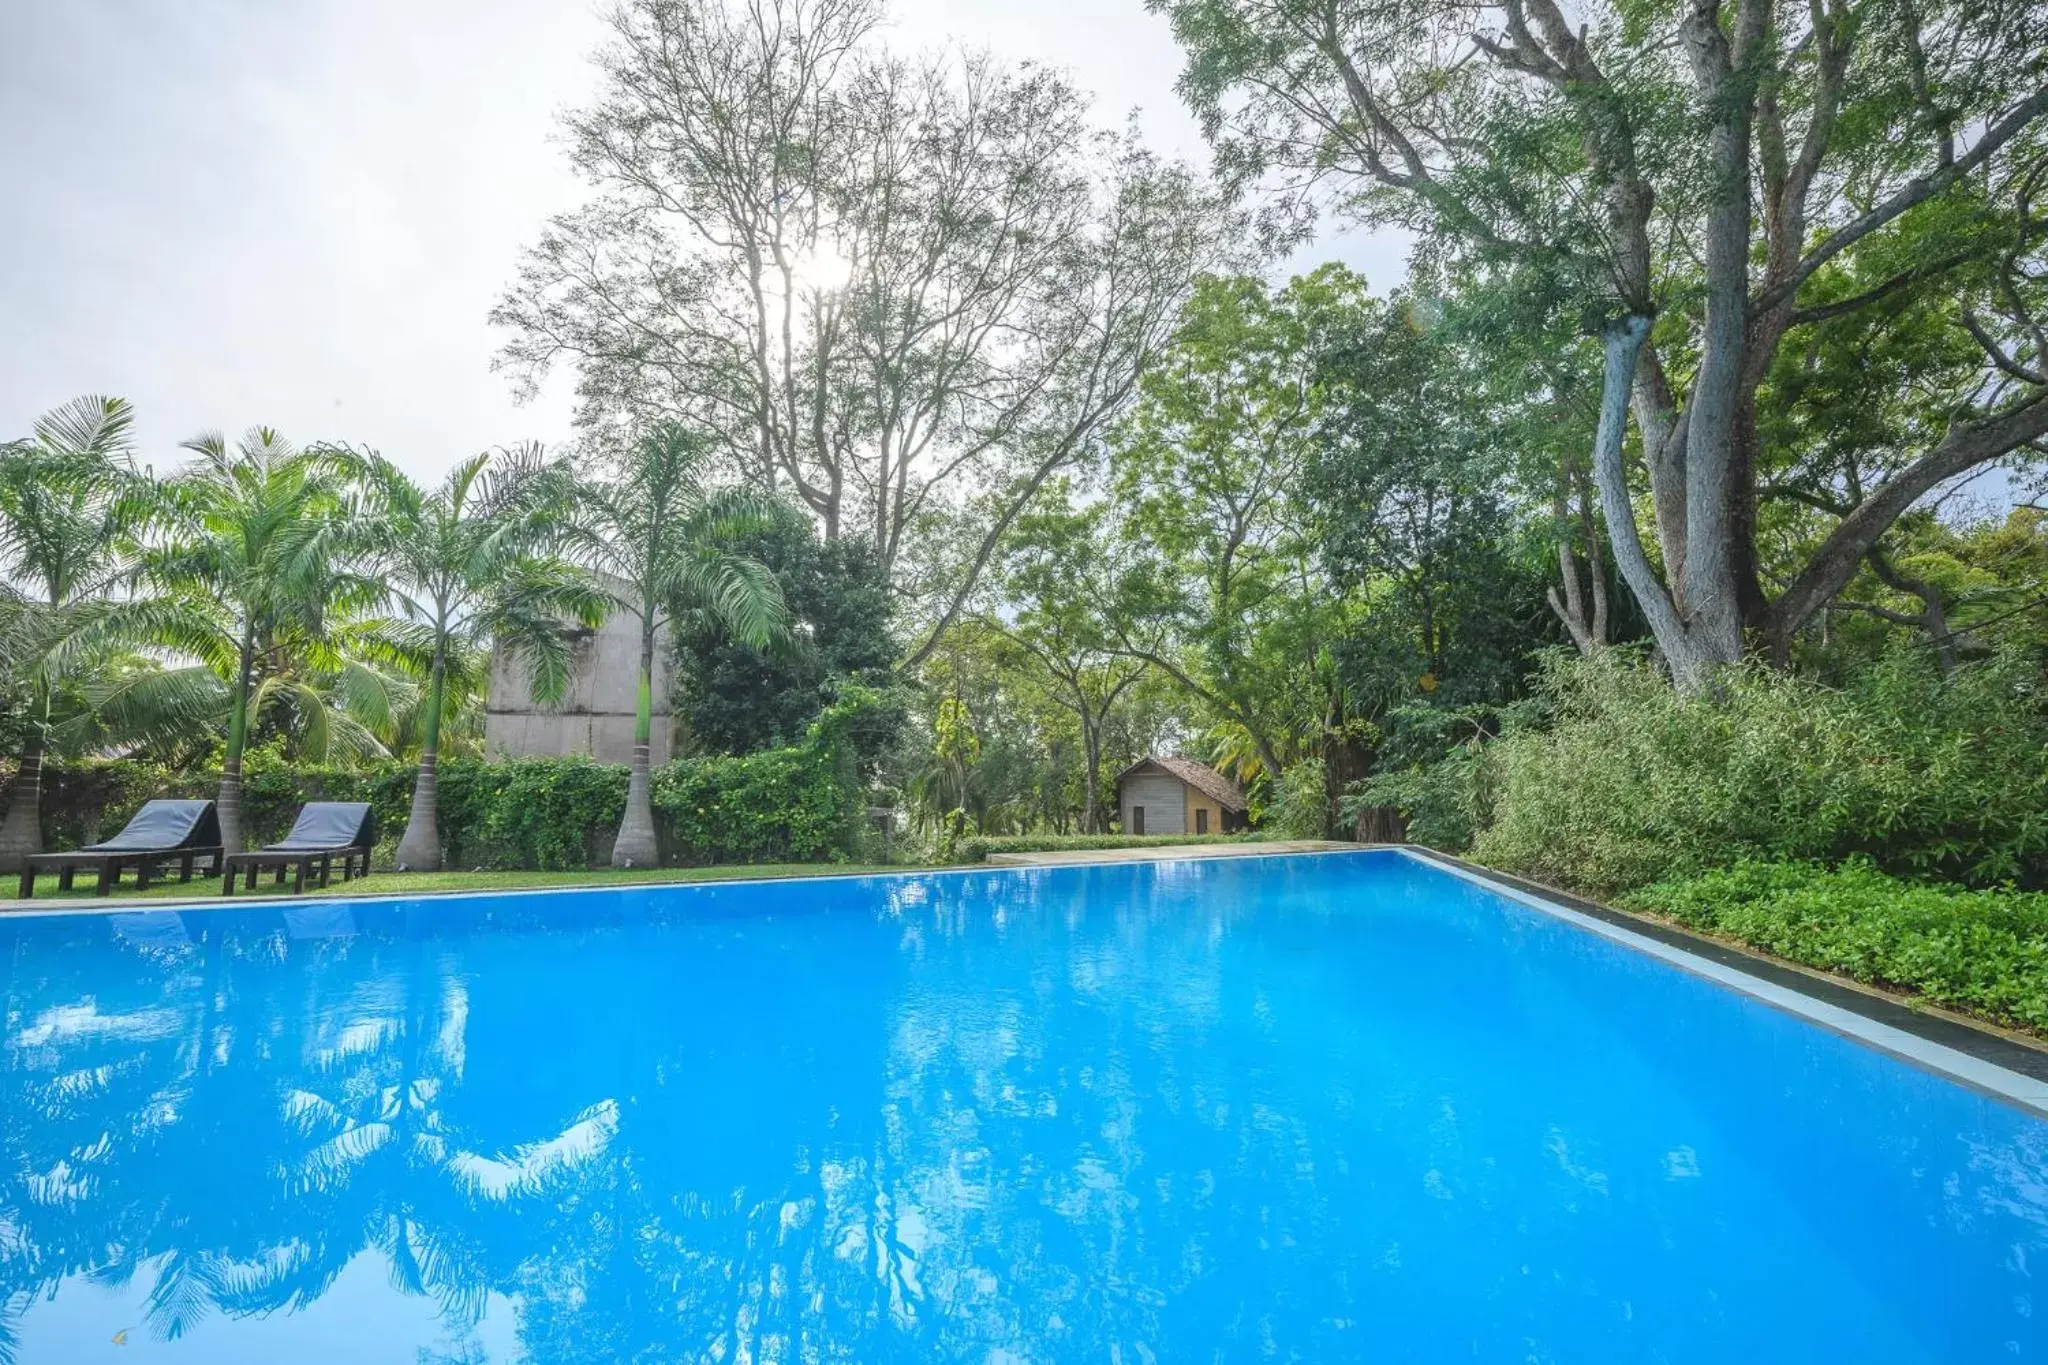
[[1415, 503], [1231, 601], [258, 539], [1057, 556], [468, 565], [736, 698], [943, 792], [71, 507], [1712, 189], [905, 290], [1960, 589], [652, 531]]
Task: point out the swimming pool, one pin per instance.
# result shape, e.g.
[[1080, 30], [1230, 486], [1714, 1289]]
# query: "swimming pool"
[[1320, 1108]]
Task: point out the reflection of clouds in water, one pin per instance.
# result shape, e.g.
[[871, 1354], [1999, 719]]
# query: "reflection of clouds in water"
[[2013, 1180], [84, 1022], [1099, 1114]]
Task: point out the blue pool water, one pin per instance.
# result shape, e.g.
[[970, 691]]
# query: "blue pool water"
[[1334, 1108]]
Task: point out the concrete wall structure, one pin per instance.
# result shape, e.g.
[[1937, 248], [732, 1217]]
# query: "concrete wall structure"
[[1164, 799], [596, 717]]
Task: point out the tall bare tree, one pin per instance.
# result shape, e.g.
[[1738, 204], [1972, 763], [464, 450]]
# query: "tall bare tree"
[[908, 290], [1703, 181]]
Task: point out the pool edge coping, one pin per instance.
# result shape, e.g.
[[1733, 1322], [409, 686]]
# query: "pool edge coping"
[[1853, 1019]]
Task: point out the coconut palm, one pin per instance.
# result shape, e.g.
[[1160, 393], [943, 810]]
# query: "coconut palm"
[[259, 537], [469, 564], [71, 502], [651, 532]]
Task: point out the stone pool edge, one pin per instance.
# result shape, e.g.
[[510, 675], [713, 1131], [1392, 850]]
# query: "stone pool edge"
[[1850, 1013]]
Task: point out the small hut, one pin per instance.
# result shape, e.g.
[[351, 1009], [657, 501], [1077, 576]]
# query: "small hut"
[[1178, 796]]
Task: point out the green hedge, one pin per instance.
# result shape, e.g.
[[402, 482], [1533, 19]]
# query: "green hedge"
[[779, 805], [1626, 783], [1981, 951], [91, 800], [976, 848], [801, 804]]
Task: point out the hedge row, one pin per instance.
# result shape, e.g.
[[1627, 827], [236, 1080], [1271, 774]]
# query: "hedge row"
[[800, 804], [1981, 951], [976, 848], [1627, 783]]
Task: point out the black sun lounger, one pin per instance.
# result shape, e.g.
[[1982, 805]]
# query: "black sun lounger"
[[159, 833], [324, 831]]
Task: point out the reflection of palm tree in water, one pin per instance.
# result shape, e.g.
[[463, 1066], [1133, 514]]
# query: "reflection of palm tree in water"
[[192, 1136]]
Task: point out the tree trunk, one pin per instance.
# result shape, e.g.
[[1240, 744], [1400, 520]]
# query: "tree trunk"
[[229, 804], [1091, 773], [1933, 611], [636, 845], [1829, 569], [420, 849], [22, 833], [1584, 613]]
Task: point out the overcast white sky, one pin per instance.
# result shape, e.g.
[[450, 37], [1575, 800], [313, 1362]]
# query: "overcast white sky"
[[299, 212]]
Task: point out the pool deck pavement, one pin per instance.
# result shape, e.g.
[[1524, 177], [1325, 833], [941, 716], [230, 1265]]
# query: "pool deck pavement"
[[1171, 852]]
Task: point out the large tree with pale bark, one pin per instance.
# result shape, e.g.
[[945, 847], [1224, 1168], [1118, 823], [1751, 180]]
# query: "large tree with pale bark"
[[906, 290], [1717, 190]]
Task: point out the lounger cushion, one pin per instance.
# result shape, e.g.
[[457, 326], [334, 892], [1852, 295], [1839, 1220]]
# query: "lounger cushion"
[[162, 825], [329, 824]]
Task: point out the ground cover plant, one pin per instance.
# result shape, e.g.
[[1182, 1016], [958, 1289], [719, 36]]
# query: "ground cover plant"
[[1984, 952]]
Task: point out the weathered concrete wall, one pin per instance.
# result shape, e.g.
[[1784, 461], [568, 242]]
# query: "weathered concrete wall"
[[596, 717], [1164, 799]]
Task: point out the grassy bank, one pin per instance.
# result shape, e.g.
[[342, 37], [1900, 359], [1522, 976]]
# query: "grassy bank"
[[977, 848], [427, 883]]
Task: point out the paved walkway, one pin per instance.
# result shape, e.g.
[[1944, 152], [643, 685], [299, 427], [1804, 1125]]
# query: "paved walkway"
[[1159, 852]]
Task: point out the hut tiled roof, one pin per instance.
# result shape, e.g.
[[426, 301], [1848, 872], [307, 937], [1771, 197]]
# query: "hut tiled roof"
[[1200, 776]]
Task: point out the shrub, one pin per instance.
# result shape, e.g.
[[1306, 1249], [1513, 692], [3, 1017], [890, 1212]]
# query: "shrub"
[[1437, 800], [782, 805], [548, 813], [1628, 783], [801, 804], [778, 805], [976, 848], [1984, 951], [1301, 808]]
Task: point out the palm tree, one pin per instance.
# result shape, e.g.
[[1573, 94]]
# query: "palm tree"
[[347, 691], [651, 532], [259, 536], [468, 565], [71, 503]]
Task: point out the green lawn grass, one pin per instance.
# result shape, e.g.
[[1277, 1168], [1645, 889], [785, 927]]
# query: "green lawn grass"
[[422, 883]]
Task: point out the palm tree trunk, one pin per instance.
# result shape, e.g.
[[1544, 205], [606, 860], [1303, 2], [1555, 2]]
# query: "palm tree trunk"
[[420, 849], [636, 846], [230, 802], [22, 833]]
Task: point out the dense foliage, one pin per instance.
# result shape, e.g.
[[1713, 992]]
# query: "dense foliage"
[[735, 698], [796, 804], [1717, 322], [1621, 782], [976, 850], [1981, 951]]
